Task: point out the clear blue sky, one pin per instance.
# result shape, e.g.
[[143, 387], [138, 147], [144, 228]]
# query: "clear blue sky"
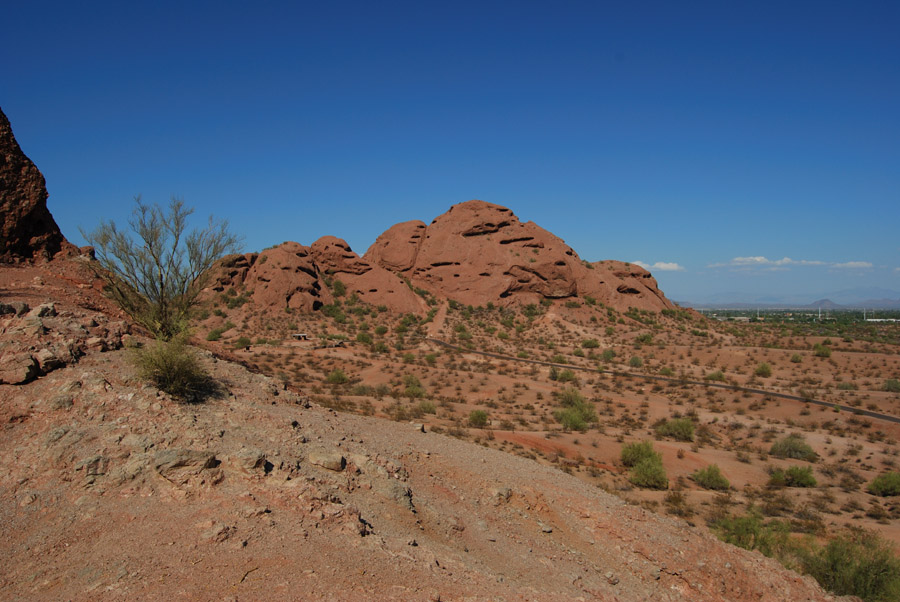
[[751, 146]]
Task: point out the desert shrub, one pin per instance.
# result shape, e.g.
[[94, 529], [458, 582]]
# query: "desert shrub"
[[242, 341], [794, 476], [608, 355], [634, 452], [364, 337], [336, 377], [565, 376], [478, 419], [752, 533], [215, 334], [576, 413], [856, 563], [680, 429], [711, 477], [156, 272], [590, 343], [413, 387], [173, 367], [892, 385], [763, 370], [645, 338], [635, 361], [649, 473], [796, 358], [793, 446], [820, 350], [338, 288], [799, 476], [718, 375], [887, 484], [427, 407], [381, 330]]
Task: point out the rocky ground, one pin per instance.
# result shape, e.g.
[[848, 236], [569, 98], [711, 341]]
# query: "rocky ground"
[[111, 490]]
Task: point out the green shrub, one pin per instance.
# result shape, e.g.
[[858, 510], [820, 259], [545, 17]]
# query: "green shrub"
[[608, 355], [796, 358], [794, 476], [711, 477], [763, 370], [172, 366], [215, 334], [336, 377], [645, 338], [717, 376], [590, 343], [892, 385], [478, 419], [857, 563], [793, 446], [680, 429], [565, 376], [427, 407], [751, 533], [242, 342], [576, 413], [649, 473], [635, 361], [887, 484], [634, 452], [364, 337], [381, 330], [820, 350]]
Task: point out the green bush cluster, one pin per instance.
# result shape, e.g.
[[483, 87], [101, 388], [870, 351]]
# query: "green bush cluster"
[[646, 465], [892, 385], [576, 413], [763, 370], [855, 563], [478, 419], [794, 476], [887, 484], [171, 366], [680, 429], [711, 477], [795, 447]]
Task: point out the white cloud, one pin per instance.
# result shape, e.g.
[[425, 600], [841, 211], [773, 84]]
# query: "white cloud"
[[758, 261], [660, 266], [853, 265]]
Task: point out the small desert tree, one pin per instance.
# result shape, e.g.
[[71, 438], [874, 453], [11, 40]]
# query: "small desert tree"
[[156, 272]]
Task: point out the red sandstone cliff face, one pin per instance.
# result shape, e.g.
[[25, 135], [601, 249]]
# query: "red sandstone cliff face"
[[292, 275], [480, 252], [27, 230]]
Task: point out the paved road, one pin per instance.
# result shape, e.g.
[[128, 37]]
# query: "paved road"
[[725, 386]]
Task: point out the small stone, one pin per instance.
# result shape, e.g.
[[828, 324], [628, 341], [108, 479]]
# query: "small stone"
[[18, 369], [328, 460], [44, 310]]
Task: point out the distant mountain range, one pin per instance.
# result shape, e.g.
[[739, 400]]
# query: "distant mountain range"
[[858, 298]]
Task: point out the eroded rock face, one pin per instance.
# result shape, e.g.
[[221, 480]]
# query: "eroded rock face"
[[480, 252], [293, 275], [27, 230]]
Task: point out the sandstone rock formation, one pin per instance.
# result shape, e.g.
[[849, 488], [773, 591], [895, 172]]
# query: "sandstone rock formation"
[[27, 230], [480, 252], [295, 276]]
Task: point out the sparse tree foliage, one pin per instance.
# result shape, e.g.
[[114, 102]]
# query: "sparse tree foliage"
[[156, 271]]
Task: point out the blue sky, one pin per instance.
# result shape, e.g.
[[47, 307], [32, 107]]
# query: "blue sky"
[[747, 147]]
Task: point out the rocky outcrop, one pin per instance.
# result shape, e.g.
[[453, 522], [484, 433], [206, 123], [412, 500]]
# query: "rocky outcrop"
[[298, 277], [27, 230], [480, 252]]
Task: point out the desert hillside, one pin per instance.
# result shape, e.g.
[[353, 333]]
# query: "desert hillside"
[[448, 417]]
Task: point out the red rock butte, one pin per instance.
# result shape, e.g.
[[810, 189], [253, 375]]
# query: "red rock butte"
[[479, 252]]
